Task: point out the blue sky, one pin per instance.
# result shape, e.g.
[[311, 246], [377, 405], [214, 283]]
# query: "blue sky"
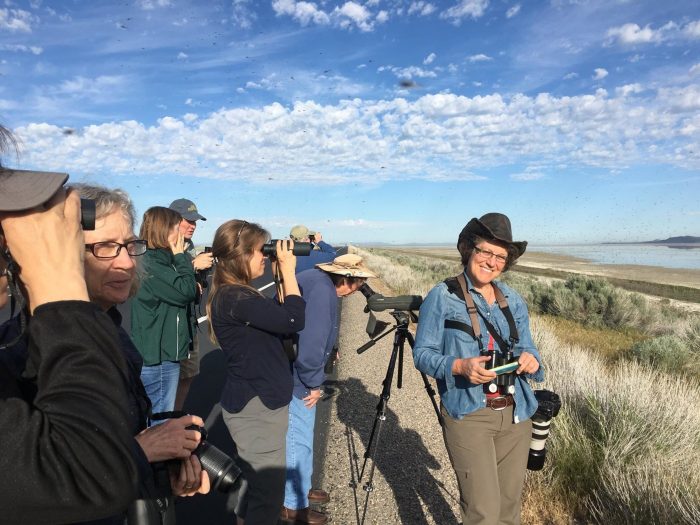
[[376, 120]]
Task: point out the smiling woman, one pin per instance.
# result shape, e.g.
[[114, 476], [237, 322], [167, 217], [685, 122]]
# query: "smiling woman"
[[465, 323]]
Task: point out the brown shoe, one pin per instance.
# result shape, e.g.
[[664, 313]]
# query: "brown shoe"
[[318, 496], [311, 517]]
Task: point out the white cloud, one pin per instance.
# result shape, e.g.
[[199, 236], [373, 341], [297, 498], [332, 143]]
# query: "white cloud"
[[600, 73], [628, 89], [692, 30], [182, 56], [16, 20], [694, 70], [465, 8], [382, 16], [98, 87], [353, 13], [479, 58], [570, 76], [421, 8], [527, 176], [242, 14], [149, 5], [429, 59], [20, 48], [513, 11], [408, 72], [631, 34], [304, 12], [370, 141]]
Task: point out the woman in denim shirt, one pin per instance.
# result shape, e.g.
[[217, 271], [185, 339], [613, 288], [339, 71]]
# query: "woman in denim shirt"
[[487, 435]]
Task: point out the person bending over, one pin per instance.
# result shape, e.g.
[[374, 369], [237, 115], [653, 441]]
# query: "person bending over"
[[320, 288]]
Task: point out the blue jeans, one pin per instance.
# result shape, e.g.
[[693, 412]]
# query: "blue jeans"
[[300, 454], [160, 382]]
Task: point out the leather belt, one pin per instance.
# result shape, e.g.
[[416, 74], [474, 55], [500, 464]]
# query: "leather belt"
[[500, 402]]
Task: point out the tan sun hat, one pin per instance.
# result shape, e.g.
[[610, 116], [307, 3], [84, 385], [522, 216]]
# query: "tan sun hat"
[[349, 265]]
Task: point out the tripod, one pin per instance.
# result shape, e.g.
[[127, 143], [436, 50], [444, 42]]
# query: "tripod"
[[402, 334]]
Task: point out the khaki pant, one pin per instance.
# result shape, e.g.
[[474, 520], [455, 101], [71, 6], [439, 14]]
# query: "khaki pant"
[[489, 456]]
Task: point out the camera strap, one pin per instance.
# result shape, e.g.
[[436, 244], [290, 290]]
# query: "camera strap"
[[473, 311]]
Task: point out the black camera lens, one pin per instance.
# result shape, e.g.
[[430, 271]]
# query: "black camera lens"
[[300, 249], [224, 474]]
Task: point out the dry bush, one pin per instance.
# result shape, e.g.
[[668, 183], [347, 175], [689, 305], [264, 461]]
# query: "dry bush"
[[625, 447]]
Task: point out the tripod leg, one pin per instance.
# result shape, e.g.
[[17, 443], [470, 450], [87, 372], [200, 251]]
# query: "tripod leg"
[[381, 407], [428, 386]]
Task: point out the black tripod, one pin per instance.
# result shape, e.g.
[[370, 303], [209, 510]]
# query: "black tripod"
[[401, 335]]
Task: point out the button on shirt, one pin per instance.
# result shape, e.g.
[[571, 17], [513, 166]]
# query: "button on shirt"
[[438, 347]]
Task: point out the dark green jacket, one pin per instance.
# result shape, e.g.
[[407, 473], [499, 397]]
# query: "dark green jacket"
[[160, 318]]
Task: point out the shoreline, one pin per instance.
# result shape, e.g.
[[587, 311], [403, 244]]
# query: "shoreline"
[[686, 277]]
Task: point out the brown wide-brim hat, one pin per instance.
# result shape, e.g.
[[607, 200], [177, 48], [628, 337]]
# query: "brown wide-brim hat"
[[349, 265], [493, 227], [21, 189]]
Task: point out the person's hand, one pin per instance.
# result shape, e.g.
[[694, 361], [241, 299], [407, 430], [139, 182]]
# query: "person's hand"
[[47, 242], [177, 242], [170, 440], [203, 261], [318, 237], [473, 369], [528, 364], [286, 259], [188, 478], [313, 397]]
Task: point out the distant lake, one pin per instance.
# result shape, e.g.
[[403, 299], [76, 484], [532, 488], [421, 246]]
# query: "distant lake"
[[644, 254]]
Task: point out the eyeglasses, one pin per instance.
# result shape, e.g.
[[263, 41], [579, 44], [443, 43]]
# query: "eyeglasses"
[[487, 254], [111, 249], [235, 243]]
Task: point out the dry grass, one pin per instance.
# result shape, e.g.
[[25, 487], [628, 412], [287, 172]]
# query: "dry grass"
[[626, 445]]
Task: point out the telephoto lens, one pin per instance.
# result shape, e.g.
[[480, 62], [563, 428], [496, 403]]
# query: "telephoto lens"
[[224, 474], [548, 408], [300, 249]]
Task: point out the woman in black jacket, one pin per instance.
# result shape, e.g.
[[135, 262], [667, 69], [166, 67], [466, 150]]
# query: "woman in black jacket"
[[249, 327]]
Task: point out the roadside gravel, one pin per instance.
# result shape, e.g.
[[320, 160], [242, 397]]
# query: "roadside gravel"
[[413, 480]]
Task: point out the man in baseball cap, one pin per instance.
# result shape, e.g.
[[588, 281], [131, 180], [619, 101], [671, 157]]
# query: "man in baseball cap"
[[322, 251], [202, 262], [69, 341]]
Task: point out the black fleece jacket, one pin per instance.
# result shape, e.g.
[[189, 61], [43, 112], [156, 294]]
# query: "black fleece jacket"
[[68, 454]]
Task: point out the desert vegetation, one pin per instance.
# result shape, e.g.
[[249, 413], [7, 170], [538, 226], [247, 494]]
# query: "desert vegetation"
[[625, 447]]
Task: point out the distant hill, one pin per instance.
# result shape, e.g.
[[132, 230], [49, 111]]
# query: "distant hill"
[[683, 239]]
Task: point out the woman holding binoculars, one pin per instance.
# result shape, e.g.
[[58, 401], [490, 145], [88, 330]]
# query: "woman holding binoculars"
[[250, 328]]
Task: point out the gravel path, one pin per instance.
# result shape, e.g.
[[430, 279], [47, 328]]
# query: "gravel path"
[[413, 481]]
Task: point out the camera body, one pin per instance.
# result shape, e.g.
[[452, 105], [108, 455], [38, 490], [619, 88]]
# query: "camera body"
[[202, 276]]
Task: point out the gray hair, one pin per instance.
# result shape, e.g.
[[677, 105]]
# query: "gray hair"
[[107, 201]]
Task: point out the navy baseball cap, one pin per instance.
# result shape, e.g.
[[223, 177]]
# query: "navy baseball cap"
[[187, 209]]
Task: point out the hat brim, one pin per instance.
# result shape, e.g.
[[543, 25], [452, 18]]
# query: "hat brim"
[[344, 270], [193, 216], [477, 227], [22, 189]]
